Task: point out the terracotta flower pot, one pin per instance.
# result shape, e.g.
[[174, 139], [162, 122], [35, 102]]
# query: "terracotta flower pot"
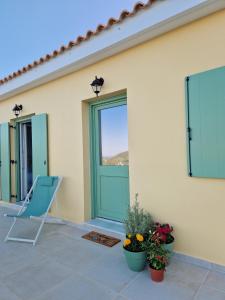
[[136, 261], [156, 275]]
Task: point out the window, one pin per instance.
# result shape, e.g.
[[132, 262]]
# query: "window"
[[114, 136]]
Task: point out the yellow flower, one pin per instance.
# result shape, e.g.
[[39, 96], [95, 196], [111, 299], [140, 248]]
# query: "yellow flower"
[[129, 235], [139, 237], [126, 242]]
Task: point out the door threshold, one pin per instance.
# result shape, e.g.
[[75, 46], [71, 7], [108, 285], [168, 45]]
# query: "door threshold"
[[108, 225]]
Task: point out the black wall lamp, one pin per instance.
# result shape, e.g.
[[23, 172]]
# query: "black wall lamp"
[[17, 109], [97, 85]]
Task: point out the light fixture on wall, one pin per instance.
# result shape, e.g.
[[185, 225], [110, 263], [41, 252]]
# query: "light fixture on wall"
[[97, 85], [17, 109]]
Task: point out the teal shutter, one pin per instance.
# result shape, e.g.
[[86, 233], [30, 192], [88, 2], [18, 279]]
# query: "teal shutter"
[[5, 163], [39, 145], [206, 123]]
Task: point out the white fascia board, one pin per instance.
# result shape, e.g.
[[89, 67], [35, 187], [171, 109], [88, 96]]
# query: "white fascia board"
[[161, 17]]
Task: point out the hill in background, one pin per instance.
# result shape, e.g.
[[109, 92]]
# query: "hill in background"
[[120, 159]]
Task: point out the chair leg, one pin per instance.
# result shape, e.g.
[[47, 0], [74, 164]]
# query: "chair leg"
[[39, 231], [7, 236]]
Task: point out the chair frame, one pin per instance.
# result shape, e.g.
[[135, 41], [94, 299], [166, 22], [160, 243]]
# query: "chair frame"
[[43, 217]]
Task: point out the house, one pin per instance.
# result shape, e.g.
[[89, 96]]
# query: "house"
[[162, 101]]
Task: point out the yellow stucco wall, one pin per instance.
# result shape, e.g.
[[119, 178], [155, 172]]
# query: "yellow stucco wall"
[[153, 75]]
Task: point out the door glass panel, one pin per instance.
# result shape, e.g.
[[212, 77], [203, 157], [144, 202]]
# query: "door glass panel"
[[25, 154], [114, 136]]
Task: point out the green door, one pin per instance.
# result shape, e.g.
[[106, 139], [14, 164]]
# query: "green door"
[[5, 163], [110, 176], [39, 145]]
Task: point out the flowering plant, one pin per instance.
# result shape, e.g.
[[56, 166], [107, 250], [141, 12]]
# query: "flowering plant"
[[134, 243], [163, 231], [137, 226], [157, 255]]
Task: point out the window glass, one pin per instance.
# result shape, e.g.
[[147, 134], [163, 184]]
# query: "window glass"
[[114, 136]]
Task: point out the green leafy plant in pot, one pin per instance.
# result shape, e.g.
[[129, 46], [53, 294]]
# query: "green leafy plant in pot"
[[137, 226], [157, 257], [164, 233]]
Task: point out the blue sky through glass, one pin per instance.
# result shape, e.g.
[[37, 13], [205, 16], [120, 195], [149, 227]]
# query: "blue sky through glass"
[[114, 131]]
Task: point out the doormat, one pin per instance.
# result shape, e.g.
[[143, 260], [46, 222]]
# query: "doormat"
[[100, 238]]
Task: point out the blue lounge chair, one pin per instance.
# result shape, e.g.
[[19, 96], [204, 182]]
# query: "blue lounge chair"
[[37, 204]]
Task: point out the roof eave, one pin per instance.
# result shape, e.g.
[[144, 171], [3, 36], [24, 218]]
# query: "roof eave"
[[162, 17]]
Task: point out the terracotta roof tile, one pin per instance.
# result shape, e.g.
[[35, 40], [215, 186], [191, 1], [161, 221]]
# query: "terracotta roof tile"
[[123, 15], [47, 57], [70, 45], [138, 6], [62, 49], [111, 21], [99, 28]]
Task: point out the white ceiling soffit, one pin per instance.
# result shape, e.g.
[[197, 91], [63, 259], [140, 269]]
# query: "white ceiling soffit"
[[161, 17]]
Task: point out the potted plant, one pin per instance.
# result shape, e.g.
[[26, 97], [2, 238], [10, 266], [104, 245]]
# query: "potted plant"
[[157, 257], [164, 232], [137, 226]]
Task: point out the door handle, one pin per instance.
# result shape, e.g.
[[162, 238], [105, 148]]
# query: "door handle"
[[45, 162]]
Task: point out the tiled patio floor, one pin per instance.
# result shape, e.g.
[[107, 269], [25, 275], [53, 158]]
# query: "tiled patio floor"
[[63, 266]]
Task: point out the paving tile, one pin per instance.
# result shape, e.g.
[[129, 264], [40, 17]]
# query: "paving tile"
[[72, 231], [6, 294], [13, 247], [81, 255], [207, 293], [215, 280], [218, 268], [185, 271], [119, 297], [3, 232], [172, 288], [111, 271], [36, 279], [12, 261], [78, 288], [26, 228], [54, 242], [5, 222], [64, 266]]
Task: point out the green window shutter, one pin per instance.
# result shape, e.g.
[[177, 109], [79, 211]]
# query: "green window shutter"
[[39, 145], [206, 123], [5, 163]]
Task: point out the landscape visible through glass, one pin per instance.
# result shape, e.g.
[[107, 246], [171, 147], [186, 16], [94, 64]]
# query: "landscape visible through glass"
[[114, 136]]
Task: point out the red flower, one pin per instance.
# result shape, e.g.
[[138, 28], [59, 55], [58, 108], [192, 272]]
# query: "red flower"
[[162, 231]]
